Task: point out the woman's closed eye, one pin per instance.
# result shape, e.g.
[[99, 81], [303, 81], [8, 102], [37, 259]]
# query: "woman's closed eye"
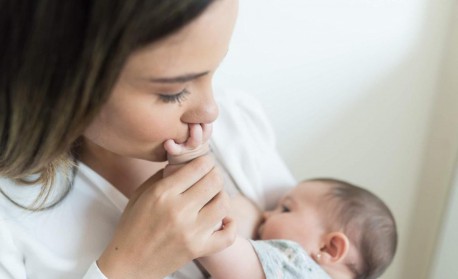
[[174, 98]]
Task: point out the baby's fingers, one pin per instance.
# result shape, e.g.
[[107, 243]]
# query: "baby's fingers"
[[172, 147], [195, 136], [206, 131]]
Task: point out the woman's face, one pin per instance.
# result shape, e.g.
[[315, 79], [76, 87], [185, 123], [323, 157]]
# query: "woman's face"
[[164, 87]]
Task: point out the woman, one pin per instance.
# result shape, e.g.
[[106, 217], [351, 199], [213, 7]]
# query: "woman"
[[96, 87]]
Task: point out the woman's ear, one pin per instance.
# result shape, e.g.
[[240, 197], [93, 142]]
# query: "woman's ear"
[[334, 248]]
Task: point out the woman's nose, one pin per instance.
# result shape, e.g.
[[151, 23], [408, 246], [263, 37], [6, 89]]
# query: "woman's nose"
[[202, 110]]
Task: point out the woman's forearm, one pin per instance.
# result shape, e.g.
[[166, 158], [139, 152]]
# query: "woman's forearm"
[[237, 261]]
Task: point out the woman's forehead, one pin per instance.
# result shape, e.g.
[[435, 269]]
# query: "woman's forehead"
[[198, 47]]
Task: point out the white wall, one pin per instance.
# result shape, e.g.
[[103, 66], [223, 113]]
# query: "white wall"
[[351, 88], [444, 260]]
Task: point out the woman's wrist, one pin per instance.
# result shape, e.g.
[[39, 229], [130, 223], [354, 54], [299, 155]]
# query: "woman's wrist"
[[114, 265], [111, 267]]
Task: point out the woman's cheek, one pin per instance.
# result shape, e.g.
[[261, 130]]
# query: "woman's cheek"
[[154, 130]]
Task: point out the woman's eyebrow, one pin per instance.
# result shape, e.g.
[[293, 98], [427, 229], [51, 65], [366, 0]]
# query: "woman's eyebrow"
[[179, 79]]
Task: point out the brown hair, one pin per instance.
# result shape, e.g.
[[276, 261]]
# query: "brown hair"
[[58, 63], [367, 222]]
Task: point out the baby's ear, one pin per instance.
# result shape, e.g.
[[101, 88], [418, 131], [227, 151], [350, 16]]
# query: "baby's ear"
[[334, 248]]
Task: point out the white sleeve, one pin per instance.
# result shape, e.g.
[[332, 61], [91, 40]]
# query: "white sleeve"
[[94, 272], [11, 259], [244, 142]]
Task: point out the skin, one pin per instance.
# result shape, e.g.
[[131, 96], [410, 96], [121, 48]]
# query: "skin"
[[244, 212], [298, 217], [296, 213], [168, 221], [195, 146]]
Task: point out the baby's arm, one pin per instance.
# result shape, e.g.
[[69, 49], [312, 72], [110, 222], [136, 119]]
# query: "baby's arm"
[[237, 261]]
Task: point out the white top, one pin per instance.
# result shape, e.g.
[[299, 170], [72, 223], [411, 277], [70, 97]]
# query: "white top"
[[66, 240]]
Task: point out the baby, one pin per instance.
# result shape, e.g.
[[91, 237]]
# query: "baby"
[[322, 228]]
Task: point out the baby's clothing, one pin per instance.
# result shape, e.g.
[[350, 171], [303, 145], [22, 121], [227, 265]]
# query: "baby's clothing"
[[284, 259]]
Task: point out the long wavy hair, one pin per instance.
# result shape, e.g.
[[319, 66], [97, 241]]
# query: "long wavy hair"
[[58, 63]]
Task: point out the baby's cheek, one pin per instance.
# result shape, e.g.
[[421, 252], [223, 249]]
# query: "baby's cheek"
[[269, 231]]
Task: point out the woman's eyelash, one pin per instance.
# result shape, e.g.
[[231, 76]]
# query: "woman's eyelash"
[[174, 98], [285, 208]]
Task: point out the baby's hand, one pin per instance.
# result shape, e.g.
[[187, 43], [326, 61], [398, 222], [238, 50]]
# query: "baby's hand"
[[195, 146], [197, 141]]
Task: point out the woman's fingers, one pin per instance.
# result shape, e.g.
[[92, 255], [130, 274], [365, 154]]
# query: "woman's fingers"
[[213, 229], [197, 190], [203, 191], [186, 176], [225, 236], [204, 200], [213, 212], [145, 186], [221, 238]]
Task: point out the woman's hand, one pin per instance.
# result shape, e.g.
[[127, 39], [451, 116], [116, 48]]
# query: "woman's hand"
[[170, 221]]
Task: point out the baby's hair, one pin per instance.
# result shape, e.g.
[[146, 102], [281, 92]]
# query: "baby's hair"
[[367, 222]]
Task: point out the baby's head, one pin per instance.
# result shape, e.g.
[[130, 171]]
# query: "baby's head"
[[346, 229]]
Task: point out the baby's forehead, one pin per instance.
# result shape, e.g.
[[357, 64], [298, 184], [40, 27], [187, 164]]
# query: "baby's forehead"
[[311, 188], [309, 193]]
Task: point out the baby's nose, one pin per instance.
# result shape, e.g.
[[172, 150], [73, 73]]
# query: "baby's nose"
[[266, 214]]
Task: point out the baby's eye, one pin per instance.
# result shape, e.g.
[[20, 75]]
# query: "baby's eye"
[[174, 98], [284, 208]]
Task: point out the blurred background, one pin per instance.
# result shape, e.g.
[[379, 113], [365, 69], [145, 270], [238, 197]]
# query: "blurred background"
[[366, 91]]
